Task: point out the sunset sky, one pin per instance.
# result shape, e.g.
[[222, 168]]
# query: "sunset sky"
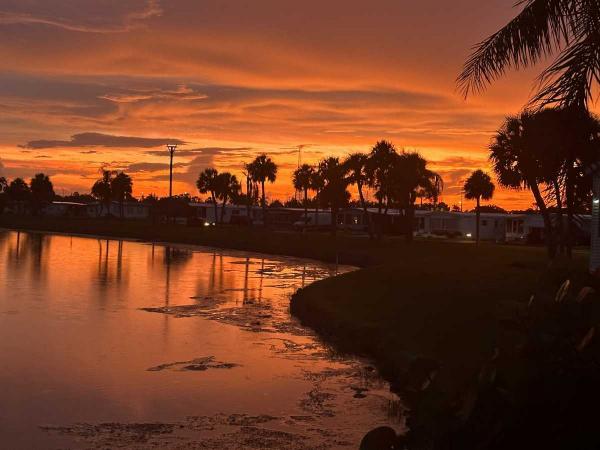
[[92, 83]]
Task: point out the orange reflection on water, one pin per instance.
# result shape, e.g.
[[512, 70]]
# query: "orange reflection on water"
[[82, 320]]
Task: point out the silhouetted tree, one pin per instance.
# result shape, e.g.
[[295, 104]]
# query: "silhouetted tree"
[[208, 183], [42, 192], [515, 156], [408, 173], [302, 182], [251, 191], [263, 169], [121, 187], [477, 187], [377, 170], [228, 187], [356, 165], [543, 27], [334, 193], [18, 192], [102, 190], [316, 184]]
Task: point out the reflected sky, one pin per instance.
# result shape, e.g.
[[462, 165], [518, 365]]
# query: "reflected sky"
[[83, 319]]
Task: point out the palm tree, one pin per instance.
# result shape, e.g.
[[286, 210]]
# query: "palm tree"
[[356, 164], [434, 188], [208, 182], [42, 192], [263, 169], [543, 27], [477, 187], [407, 174], [102, 190], [377, 170], [516, 161], [227, 187], [302, 182], [122, 187], [250, 191], [316, 184], [334, 193]]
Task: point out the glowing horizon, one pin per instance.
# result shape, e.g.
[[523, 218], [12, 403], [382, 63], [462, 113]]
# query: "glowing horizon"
[[108, 84]]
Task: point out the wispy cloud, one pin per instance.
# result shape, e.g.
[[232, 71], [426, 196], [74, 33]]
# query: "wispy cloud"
[[108, 16], [102, 140]]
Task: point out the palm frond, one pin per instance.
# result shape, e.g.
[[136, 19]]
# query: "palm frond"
[[542, 27], [568, 81]]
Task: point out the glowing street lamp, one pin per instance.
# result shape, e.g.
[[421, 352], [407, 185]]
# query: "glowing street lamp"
[[171, 148]]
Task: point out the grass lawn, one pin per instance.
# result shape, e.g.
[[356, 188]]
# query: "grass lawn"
[[429, 299], [433, 301]]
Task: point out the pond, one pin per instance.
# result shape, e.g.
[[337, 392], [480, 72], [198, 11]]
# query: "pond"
[[109, 343]]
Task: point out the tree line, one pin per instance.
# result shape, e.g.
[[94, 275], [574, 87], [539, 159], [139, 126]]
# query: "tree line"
[[548, 151], [397, 179]]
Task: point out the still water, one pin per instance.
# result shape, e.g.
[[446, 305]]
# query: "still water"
[[107, 343]]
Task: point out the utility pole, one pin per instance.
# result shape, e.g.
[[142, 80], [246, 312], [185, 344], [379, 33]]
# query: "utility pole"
[[171, 148]]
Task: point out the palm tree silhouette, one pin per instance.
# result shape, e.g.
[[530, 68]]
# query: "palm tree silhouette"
[[334, 193], [316, 185], [356, 164], [42, 192], [302, 181], [516, 158], [263, 169], [407, 174], [208, 182], [377, 169], [102, 190], [227, 187], [477, 187], [122, 187], [543, 27]]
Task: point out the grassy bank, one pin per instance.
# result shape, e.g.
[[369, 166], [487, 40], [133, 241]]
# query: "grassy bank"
[[432, 306], [428, 300]]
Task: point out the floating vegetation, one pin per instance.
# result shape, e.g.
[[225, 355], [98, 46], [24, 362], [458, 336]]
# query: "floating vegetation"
[[198, 364]]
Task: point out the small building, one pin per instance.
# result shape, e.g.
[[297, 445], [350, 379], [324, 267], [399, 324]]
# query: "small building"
[[456, 224], [65, 209], [129, 210], [204, 213]]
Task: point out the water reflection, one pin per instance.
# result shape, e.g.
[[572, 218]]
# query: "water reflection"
[[114, 309]]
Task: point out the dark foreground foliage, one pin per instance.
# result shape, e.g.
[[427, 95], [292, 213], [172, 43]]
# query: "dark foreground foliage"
[[540, 388]]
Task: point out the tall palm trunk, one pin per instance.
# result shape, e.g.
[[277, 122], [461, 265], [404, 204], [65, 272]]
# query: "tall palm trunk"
[[477, 217], [378, 222], [365, 211], [248, 199], [264, 204], [550, 242], [559, 225], [216, 206], [316, 208], [334, 214], [305, 206], [223, 209]]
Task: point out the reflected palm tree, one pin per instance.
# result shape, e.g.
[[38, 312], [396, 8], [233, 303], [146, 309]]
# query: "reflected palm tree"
[[119, 260], [18, 244], [246, 279], [261, 279]]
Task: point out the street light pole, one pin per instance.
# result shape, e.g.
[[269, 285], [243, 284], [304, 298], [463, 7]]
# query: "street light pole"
[[171, 148]]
